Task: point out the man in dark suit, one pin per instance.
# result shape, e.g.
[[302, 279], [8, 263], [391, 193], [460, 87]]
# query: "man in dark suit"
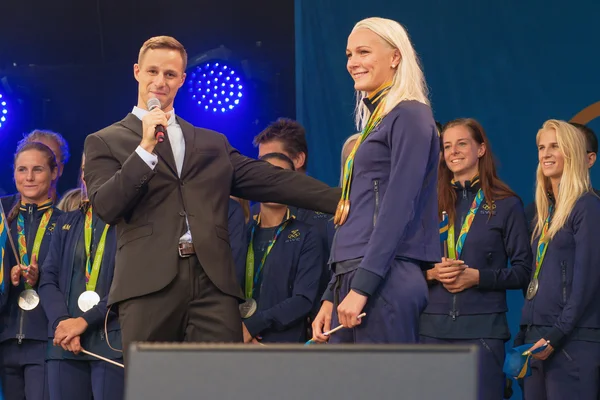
[[174, 276]]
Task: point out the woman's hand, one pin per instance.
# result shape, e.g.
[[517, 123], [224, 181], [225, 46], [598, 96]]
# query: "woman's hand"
[[446, 271], [322, 322]]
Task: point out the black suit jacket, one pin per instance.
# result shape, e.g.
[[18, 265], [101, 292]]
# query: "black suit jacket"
[[149, 206]]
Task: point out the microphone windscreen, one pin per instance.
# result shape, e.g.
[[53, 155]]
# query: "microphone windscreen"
[[153, 103]]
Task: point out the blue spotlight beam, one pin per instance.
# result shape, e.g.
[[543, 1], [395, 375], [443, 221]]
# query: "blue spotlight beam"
[[3, 110], [215, 87]]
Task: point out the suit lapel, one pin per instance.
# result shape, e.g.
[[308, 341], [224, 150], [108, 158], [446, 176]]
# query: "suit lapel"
[[188, 137], [163, 150]]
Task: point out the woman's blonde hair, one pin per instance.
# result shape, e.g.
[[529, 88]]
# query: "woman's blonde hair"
[[574, 182], [347, 143], [408, 82], [71, 200]]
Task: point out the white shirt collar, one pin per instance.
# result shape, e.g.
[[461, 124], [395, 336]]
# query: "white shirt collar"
[[140, 112]]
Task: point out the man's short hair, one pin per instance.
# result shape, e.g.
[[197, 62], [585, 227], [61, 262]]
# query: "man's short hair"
[[37, 134], [163, 42], [289, 132], [591, 139]]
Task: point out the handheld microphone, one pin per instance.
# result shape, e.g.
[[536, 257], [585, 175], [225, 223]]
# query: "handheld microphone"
[[160, 130]]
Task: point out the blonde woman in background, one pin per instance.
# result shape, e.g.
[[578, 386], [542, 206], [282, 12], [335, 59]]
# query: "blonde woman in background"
[[561, 313]]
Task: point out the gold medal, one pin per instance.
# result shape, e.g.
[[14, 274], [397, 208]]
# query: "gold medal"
[[345, 212], [532, 289], [338, 213]]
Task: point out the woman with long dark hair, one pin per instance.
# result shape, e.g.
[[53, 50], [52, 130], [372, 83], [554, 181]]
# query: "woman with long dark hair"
[[486, 229]]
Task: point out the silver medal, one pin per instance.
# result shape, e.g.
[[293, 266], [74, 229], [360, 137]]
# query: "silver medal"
[[28, 300], [87, 300], [248, 308], [532, 289]]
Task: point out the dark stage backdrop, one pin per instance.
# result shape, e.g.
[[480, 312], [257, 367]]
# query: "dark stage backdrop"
[[70, 68], [509, 64]]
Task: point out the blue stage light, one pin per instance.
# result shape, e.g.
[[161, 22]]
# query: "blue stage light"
[[3, 110], [217, 89]]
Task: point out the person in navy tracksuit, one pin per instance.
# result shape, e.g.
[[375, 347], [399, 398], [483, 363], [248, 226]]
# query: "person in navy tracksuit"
[[4, 264], [387, 217], [561, 310], [283, 265], [32, 222], [467, 305], [288, 137], [74, 290]]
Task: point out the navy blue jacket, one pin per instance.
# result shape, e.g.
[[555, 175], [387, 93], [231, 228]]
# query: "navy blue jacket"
[[325, 230], [496, 237], [393, 199], [55, 285], [567, 297], [7, 203], [530, 214], [290, 284], [14, 322], [236, 225]]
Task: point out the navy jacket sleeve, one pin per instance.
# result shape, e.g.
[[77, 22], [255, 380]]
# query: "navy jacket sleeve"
[[530, 217], [51, 297], [95, 316], [410, 142], [586, 275], [237, 237], [304, 293], [518, 249], [328, 294]]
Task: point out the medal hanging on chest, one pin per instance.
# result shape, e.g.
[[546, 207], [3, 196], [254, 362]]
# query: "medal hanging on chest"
[[542, 246], [343, 208], [28, 298], [89, 299], [249, 307]]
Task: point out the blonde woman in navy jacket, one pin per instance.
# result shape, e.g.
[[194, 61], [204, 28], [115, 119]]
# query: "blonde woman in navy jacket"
[[76, 311], [32, 220], [387, 216], [467, 298], [562, 310]]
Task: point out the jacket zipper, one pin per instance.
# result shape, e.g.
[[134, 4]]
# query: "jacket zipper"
[[454, 313], [376, 190], [563, 270]]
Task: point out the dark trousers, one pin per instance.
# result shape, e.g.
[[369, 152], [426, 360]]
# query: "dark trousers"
[[392, 312], [23, 370], [491, 380], [83, 380], [571, 372], [189, 309]]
